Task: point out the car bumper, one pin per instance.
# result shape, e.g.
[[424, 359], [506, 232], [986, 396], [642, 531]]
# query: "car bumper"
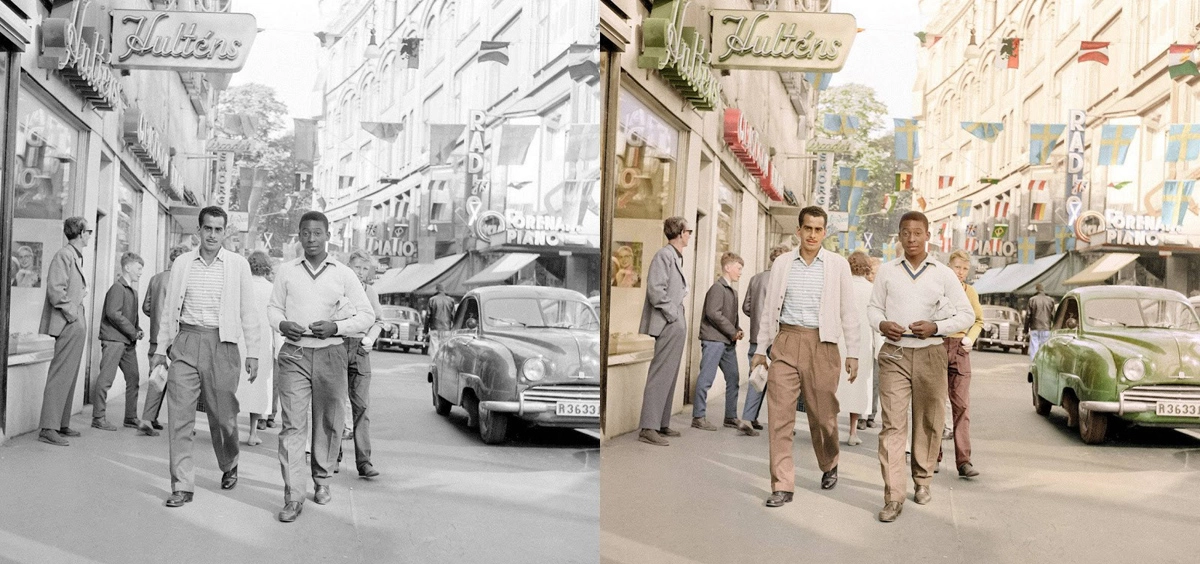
[[986, 342], [400, 343], [541, 413], [1139, 412]]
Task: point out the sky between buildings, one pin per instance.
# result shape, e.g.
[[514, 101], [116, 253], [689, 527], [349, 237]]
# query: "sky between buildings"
[[884, 56], [286, 53]]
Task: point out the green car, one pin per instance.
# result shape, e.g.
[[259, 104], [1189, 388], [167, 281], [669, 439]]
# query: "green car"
[[1123, 354]]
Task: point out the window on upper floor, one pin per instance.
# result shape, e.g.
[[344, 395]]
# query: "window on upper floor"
[[449, 32], [502, 79], [368, 169], [345, 173]]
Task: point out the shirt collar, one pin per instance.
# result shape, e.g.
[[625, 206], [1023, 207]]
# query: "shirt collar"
[[78, 252], [820, 256], [325, 264], [220, 255], [125, 282]]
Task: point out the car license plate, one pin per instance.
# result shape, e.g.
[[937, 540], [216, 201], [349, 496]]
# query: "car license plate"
[[578, 408], [1177, 409]]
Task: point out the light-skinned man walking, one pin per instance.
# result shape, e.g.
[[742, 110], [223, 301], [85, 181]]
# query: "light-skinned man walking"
[[439, 319], [63, 318], [1037, 319], [915, 302], [809, 311], [358, 370], [720, 331], [206, 328], [120, 330], [752, 306], [316, 302], [663, 319], [156, 295], [958, 371]]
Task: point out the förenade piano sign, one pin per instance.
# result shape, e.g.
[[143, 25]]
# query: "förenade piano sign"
[[781, 41], [181, 41]]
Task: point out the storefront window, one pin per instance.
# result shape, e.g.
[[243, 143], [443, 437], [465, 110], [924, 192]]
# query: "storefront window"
[[728, 202], [129, 206], [647, 155]]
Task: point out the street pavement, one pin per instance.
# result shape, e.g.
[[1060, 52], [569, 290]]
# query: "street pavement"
[[443, 496], [1043, 495]]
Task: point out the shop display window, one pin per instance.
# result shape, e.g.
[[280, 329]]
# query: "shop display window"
[[728, 204], [647, 157]]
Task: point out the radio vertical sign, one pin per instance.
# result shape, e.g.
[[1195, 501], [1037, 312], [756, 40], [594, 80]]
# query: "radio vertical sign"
[[1076, 185], [476, 179]]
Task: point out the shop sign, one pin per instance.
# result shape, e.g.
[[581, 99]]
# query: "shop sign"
[[224, 180], [182, 41], [1134, 230], [476, 180], [824, 145], [536, 231], [825, 179], [1076, 124], [394, 246], [241, 146], [781, 41], [490, 225], [746, 143], [145, 142], [997, 248], [80, 53], [679, 54]]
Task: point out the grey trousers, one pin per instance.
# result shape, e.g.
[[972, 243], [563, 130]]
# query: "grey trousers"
[[154, 394], [317, 377], [358, 374], [663, 375], [201, 365], [116, 354], [64, 373]]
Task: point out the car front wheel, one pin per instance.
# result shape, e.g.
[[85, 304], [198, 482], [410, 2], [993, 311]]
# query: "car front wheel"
[[493, 426], [1093, 426], [440, 405], [1040, 404]]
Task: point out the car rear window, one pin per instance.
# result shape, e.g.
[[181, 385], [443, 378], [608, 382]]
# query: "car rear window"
[[390, 314], [1140, 312]]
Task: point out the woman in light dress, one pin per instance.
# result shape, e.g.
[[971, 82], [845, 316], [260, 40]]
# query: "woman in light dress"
[[856, 394], [256, 397]]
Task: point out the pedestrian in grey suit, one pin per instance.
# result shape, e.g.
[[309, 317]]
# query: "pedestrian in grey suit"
[[662, 318], [63, 318]]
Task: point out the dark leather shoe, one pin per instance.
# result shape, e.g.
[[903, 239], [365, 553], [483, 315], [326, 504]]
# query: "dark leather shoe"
[[829, 479], [145, 429], [131, 423], [103, 425], [177, 499], [291, 510], [157, 426], [732, 423], [367, 471], [967, 470], [922, 495], [51, 436], [669, 432], [777, 499], [757, 426], [229, 479], [262, 424], [68, 432], [891, 510], [322, 495]]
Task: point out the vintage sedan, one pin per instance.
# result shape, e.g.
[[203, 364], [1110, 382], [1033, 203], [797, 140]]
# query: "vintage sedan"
[[520, 352], [1003, 328], [403, 328], [1120, 354]]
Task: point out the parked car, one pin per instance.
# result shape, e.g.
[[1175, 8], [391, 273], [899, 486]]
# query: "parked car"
[[1003, 327], [1122, 354], [523, 352], [405, 328]]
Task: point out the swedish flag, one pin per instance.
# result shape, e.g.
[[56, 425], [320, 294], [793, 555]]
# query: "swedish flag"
[[988, 131], [906, 140], [1177, 194], [1042, 138], [1183, 142], [840, 123], [1114, 143]]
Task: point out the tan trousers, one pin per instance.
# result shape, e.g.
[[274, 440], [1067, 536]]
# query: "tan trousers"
[[801, 363], [917, 376]]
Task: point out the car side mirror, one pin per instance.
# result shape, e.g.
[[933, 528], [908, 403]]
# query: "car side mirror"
[[472, 324], [1072, 323]]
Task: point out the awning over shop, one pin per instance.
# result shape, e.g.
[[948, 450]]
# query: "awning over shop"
[[501, 270], [454, 279], [1053, 279], [1012, 277], [416, 275], [1102, 269]]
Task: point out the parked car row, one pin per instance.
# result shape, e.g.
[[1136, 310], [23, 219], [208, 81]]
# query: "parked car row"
[[404, 328], [1003, 327]]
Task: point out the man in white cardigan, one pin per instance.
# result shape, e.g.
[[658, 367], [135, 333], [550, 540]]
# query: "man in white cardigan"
[[207, 326], [809, 310]]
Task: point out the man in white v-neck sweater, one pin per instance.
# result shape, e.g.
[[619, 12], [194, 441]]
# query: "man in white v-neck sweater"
[[916, 301], [316, 302]]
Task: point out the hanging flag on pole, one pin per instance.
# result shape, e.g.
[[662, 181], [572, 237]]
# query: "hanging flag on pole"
[[903, 181], [1183, 142], [1064, 238], [972, 230], [1039, 211], [988, 131], [1176, 195], [971, 244], [1010, 54], [1042, 139], [1181, 61], [1039, 185], [1000, 209], [999, 231], [819, 80], [410, 50], [927, 39], [989, 181], [839, 123], [1093, 51], [921, 203], [947, 242], [1114, 143], [906, 140], [889, 202], [494, 51], [1026, 250], [945, 182], [964, 208]]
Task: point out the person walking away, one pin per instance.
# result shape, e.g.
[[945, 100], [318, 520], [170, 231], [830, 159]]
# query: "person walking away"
[[315, 303], [809, 312], [958, 371], [720, 330], [855, 395], [63, 318], [156, 296], [207, 326], [439, 319], [663, 319], [1037, 319], [752, 306], [256, 397], [120, 330], [915, 302]]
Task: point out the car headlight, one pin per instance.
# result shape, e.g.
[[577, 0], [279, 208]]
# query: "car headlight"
[[1134, 369], [534, 369]]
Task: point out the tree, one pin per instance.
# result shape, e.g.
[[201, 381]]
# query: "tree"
[[257, 100]]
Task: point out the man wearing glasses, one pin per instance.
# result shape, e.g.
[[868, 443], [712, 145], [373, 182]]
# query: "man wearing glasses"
[[662, 318], [62, 318]]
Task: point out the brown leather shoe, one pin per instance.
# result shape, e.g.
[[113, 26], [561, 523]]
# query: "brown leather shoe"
[[669, 432], [829, 479], [50, 436], [967, 470], [744, 428], [68, 432], [891, 510], [922, 495], [103, 425], [703, 424], [777, 499], [650, 436], [145, 428], [291, 510], [322, 495]]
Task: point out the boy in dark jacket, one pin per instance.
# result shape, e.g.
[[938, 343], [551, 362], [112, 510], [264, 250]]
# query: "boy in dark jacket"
[[120, 331], [719, 334]]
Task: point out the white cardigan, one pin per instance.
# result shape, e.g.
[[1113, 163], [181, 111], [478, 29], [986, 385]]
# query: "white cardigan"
[[237, 322], [837, 321]]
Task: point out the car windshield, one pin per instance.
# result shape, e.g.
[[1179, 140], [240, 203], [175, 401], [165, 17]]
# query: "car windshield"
[[395, 314], [1141, 312], [504, 313], [993, 314]]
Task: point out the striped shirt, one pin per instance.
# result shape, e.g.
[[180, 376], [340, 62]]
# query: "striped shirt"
[[802, 299], [202, 292]]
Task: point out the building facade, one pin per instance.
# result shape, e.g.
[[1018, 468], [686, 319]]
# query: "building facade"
[[125, 149], [463, 128], [676, 151], [1082, 200]]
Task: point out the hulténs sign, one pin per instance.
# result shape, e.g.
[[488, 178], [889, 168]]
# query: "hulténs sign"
[[781, 41], [182, 41]]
